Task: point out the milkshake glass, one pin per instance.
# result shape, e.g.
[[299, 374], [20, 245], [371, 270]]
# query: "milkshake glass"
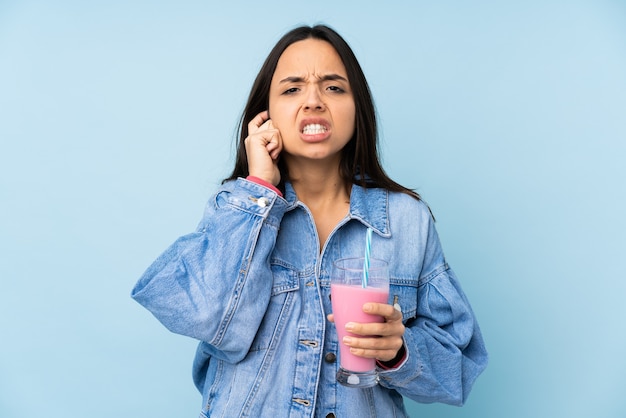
[[349, 292]]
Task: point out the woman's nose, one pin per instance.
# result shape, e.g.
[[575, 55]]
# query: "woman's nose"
[[313, 100]]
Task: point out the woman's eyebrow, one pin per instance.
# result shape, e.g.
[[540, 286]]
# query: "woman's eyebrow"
[[292, 79], [333, 77]]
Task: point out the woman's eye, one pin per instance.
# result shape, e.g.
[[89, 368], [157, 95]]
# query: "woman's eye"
[[336, 89], [291, 90]]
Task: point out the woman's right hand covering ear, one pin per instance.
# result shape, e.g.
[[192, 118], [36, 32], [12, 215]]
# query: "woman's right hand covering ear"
[[263, 147]]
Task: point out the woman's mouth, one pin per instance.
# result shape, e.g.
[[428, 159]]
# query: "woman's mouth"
[[315, 130]]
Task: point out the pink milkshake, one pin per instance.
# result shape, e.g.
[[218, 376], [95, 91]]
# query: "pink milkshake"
[[348, 301], [355, 282]]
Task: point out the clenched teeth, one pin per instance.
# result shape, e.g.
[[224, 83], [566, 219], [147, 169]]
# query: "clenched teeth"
[[313, 129]]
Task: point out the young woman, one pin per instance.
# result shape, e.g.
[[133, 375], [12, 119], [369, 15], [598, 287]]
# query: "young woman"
[[252, 284]]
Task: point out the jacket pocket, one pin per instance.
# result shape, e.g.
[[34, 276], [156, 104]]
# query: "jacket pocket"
[[285, 285], [403, 291]]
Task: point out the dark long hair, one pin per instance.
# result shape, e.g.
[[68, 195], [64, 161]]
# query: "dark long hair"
[[360, 161]]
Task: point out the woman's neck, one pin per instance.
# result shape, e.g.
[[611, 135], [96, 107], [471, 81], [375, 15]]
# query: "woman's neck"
[[323, 191], [316, 183]]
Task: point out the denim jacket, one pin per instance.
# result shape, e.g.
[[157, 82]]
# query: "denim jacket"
[[253, 287]]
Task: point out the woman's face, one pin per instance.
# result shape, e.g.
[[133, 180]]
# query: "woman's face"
[[311, 102]]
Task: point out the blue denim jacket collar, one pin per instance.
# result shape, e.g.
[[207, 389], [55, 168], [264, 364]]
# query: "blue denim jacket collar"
[[370, 206]]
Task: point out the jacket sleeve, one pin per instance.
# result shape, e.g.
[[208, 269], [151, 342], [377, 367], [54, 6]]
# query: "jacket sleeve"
[[444, 344], [214, 284]]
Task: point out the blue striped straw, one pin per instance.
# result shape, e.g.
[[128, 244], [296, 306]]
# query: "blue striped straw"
[[366, 260]]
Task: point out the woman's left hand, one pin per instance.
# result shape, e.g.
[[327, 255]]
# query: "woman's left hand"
[[381, 341]]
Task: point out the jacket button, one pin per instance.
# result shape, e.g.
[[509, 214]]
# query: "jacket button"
[[330, 358], [331, 415]]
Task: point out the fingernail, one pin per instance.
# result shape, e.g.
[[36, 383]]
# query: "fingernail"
[[367, 307], [347, 340], [349, 326]]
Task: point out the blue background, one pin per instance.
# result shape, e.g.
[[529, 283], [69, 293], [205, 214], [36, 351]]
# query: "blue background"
[[117, 122]]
